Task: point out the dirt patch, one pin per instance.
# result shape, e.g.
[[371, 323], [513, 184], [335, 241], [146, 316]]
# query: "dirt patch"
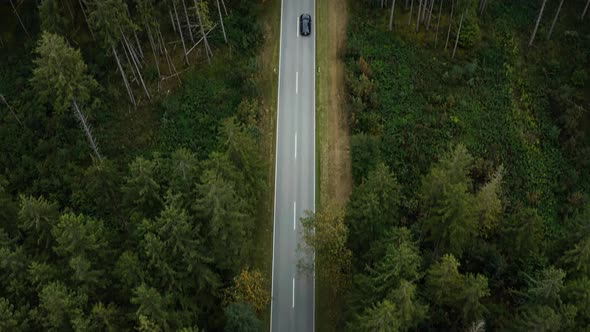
[[336, 161]]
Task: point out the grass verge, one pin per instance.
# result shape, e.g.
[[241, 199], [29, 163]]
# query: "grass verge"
[[267, 81], [323, 321]]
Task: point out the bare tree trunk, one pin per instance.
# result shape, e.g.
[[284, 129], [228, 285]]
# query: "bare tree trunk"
[[169, 61], [19, 20], [391, 15], [135, 62], [223, 26], [450, 23], [129, 92], [429, 15], [207, 49], [224, 8], [86, 19], [188, 23], [438, 23], [128, 57], [86, 129], [411, 9], [418, 17], [407, 5], [458, 35], [555, 20], [180, 33], [11, 110], [69, 8], [424, 10], [483, 8], [585, 9], [537, 24], [139, 48], [172, 20], [153, 46]]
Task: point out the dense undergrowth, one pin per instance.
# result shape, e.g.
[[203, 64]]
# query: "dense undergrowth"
[[502, 127]]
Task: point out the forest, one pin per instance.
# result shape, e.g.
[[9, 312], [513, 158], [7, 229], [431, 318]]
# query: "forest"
[[130, 170], [470, 208]]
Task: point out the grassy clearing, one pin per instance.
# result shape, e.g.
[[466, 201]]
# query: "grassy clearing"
[[267, 82]]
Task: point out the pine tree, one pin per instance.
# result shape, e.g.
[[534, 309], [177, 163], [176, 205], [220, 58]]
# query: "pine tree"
[[240, 317], [110, 21], [381, 317], [141, 192], [52, 19], [152, 305], [60, 309], [448, 205], [37, 217], [230, 226], [373, 209], [60, 76]]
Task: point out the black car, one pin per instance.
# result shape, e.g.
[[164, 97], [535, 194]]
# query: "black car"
[[305, 24]]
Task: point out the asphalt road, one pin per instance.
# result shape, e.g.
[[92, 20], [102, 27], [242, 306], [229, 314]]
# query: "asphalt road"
[[293, 288]]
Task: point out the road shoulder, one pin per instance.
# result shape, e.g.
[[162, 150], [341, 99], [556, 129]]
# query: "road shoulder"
[[333, 136]]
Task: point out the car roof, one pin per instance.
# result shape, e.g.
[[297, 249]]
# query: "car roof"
[[307, 16]]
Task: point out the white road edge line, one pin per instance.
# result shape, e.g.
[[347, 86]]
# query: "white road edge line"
[[293, 292], [296, 82], [295, 145], [294, 214], [274, 218], [314, 142]]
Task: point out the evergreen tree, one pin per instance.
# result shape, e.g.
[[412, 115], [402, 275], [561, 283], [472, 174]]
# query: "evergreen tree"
[[8, 321], [141, 192], [373, 209], [152, 305], [381, 317], [37, 217], [52, 19], [60, 76], [447, 202], [240, 317], [105, 317], [457, 295], [98, 190], [230, 226], [410, 311], [243, 152], [60, 309], [579, 257], [489, 206]]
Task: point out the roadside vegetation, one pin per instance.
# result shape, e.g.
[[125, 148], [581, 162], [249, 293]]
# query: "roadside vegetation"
[[470, 206], [132, 173]]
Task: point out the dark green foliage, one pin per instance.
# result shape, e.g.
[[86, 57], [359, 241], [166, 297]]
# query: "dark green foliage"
[[52, 18], [508, 200], [141, 191], [366, 154], [108, 18], [373, 210], [449, 214], [240, 317], [37, 217], [61, 309], [119, 245]]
